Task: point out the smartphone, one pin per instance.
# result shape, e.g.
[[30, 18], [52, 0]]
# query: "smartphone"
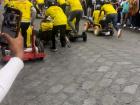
[[11, 22]]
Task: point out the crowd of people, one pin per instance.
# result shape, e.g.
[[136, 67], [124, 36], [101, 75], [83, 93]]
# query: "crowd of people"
[[119, 13], [55, 9], [57, 19], [128, 11]]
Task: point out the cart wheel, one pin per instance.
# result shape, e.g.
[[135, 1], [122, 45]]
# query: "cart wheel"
[[84, 36], [71, 37], [39, 44]]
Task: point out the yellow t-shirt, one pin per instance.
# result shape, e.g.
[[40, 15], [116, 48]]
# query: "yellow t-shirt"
[[47, 25], [25, 8], [57, 14], [61, 2], [6, 2], [109, 9], [74, 5], [11, 3], [40, 1], [96, 17]]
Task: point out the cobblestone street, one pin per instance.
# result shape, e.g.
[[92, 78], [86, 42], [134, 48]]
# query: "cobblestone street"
[[102, 71]]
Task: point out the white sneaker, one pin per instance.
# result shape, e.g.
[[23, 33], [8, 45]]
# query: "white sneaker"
[[134, 28], [28, 50], [139, 29], [119, 33], [124, 25], [118, 24]]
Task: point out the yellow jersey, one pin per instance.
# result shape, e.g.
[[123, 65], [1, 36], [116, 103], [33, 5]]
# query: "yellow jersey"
[[40, 1], [96, 17], [74, 4], [11, 3], [61, 2], [47, 25], [24, 7], [109, 9], [6, 2], [57, 14]]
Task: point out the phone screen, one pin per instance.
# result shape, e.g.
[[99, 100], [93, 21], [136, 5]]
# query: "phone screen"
[[11, 22]]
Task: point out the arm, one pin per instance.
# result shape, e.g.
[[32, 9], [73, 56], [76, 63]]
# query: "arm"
[[8, 75], [101, 12], [33, 15], [10, 71]]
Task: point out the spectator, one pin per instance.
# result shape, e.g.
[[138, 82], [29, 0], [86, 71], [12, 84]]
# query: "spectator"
[[84, 5], [133, 10], [93, 6], [137, 17], [125, 11], [10, 71], [89, 6]]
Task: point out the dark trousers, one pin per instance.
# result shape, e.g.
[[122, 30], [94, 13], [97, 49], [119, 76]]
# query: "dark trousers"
[[112, 18], [84, 8], [75, 14], [59, 29], [24, 27], [63, 6], [92, 9], [103, 24], [45, 36], [119, 15], [133, 21], [138, 17]]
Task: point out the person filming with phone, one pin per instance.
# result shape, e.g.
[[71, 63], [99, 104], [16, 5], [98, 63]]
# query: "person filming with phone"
[[9, 72]]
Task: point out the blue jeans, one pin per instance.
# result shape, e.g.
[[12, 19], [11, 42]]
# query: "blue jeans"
[[112, 18]]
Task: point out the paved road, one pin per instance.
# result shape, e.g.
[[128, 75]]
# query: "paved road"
[[103, 71]]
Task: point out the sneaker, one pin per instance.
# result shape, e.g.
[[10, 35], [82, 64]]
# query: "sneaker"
[[28, 50], [118, 24], [124, 25], [131, 27], [119, 33], [139, 29], [134, 28]]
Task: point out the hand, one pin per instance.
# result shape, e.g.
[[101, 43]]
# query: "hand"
[[15, 44]]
